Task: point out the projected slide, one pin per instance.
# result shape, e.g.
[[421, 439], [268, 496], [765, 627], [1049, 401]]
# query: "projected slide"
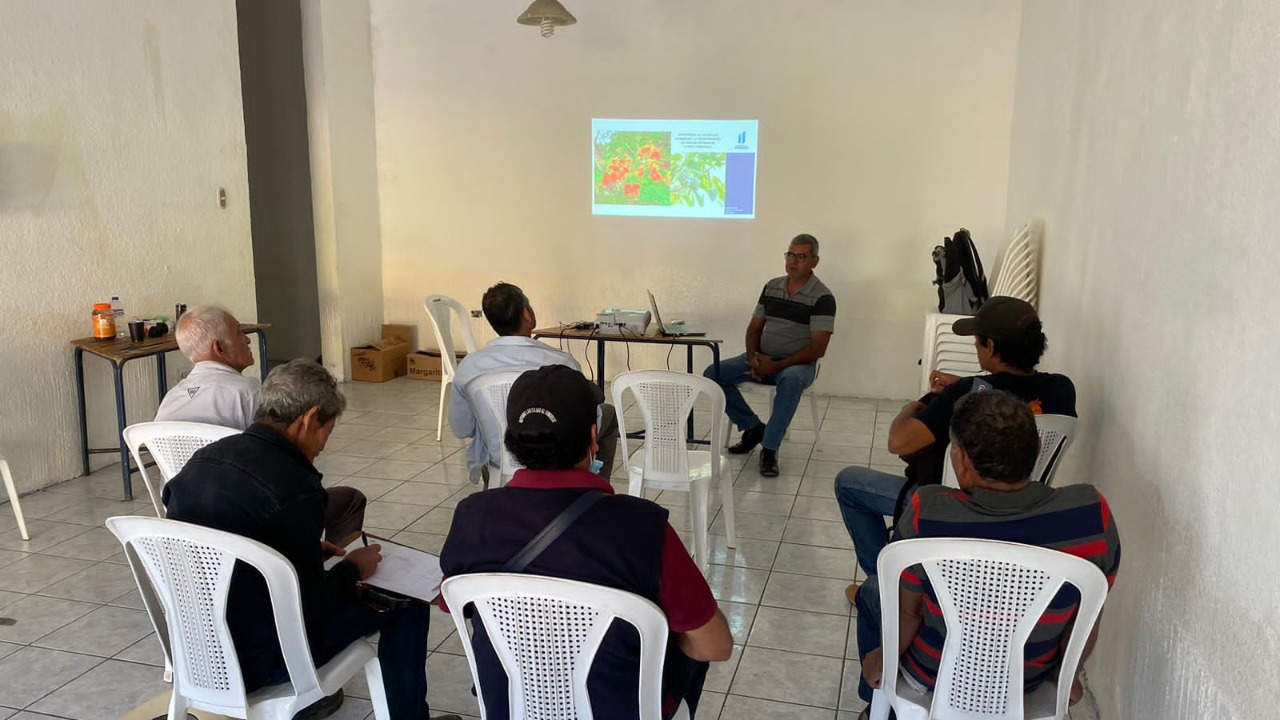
[[674, 168]]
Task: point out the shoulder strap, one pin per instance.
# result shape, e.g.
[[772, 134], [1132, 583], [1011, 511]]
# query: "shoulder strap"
[[552, 531]]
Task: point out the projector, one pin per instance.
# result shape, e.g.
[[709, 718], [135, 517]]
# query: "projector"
[[622, 322]]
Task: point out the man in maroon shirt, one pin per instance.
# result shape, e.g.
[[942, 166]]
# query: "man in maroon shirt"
[[621, 541]]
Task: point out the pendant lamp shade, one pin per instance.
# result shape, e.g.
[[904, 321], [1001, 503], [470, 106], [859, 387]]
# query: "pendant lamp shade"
[[548, 15]]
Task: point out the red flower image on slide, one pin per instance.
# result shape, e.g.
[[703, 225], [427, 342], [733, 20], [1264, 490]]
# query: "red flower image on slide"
[[631, 168]]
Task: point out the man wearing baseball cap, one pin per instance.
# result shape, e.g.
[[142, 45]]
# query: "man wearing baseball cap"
[[1010, 341], [618, 541]]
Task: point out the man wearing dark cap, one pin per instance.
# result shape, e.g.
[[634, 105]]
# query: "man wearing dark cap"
[[1010, 342], [620, 541]]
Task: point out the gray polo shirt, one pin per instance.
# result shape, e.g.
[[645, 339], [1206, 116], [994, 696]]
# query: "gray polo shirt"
[[789, 320]]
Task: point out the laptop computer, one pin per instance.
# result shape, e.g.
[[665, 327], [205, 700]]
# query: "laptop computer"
[[675, 329]]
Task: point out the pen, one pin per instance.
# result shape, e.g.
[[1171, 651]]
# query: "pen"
[[364, 537]]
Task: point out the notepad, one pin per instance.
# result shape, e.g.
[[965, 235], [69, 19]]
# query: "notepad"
[[404, 570]]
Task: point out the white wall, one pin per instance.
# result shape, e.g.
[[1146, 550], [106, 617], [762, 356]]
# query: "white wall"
[[1145, 135], [339, 78], [883, 126], [118, 124]]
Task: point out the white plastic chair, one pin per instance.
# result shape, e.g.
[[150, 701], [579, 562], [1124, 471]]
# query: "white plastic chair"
[[1019, 272], [441, 309], [666, 398], [946, 351], [992, 595], [546, 631], [171, 444], [1055, 437], [189, 572], [13, 498], [769, 391], [487, 395]]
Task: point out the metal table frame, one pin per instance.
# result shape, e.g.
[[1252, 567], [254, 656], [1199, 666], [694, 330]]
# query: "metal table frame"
[[119, 353], [688, 341]]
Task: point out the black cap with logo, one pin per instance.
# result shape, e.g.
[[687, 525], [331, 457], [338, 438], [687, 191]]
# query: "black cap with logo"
[[999, 318], [555, 399]]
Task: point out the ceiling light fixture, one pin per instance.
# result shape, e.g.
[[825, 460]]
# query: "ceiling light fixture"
[[548, 15]]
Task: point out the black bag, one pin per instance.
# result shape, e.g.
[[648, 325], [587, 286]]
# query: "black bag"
[[961, 281]]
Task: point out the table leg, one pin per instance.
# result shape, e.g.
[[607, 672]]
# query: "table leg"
[[117, 371], [689, 356], [84, 419], [600, 364], [262, 354], [162, 376]]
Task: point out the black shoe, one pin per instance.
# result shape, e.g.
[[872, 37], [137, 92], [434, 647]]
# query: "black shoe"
[[750, 439], [322, 708], [768, 463]]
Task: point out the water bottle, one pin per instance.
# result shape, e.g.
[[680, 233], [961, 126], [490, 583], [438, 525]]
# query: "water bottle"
[[117, 307]]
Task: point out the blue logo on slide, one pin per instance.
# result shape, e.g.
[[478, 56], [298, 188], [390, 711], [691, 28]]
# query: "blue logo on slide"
[[742, 142]]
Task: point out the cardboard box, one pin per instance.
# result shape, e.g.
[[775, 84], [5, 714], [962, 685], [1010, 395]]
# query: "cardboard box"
[[384, 359], [426, 365]]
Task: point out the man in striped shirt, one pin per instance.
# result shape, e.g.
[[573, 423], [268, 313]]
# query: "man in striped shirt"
[[993, 449], [787, 335]]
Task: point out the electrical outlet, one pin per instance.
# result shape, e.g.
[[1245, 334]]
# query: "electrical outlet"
[[476, 314]]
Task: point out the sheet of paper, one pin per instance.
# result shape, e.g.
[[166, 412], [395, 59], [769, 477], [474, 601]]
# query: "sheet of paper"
[[403, 570]]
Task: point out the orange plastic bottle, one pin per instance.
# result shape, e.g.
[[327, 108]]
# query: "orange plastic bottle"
[[104, 321]]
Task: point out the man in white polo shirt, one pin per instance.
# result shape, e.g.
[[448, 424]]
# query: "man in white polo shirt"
[[214, 392]]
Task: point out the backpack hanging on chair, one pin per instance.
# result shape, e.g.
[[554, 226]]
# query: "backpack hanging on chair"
[[961, 281]]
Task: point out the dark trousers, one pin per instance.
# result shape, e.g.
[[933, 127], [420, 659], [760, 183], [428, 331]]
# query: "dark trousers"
[[607, 439], [682, 680], [343, 515], [402, 652]]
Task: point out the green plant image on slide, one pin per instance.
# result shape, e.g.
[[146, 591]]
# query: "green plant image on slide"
[[633, 168], [697, 179], [637, 168]]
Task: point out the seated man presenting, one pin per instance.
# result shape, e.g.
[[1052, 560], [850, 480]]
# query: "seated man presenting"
[[512, 318], [620, 541], [994, 444], [787, 335], [261, 484], [1010, 342], [214, 392]]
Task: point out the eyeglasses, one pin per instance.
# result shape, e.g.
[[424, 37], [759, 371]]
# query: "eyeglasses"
[[798, 257]]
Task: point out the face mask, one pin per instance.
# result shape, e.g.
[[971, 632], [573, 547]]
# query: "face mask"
[[596, 466]]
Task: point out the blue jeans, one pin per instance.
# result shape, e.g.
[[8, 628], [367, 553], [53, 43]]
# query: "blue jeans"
[[867, 604], [788, 384], [866, 497]]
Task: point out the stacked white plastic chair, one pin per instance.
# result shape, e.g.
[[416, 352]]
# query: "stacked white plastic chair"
[[487, 395], [171, 444], [946, 351], [1019, 272], [665, 399], [441, 310], [546, 631], [992, 596], [1055, 437], [769, 391], [183, 572], [13, 498]]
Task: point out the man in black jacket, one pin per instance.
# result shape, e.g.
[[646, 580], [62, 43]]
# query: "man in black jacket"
[[261, 484]]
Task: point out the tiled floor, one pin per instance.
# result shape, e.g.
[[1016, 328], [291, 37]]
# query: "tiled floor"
[[81, 647]]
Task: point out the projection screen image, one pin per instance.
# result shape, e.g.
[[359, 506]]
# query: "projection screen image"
[[674, 168]]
